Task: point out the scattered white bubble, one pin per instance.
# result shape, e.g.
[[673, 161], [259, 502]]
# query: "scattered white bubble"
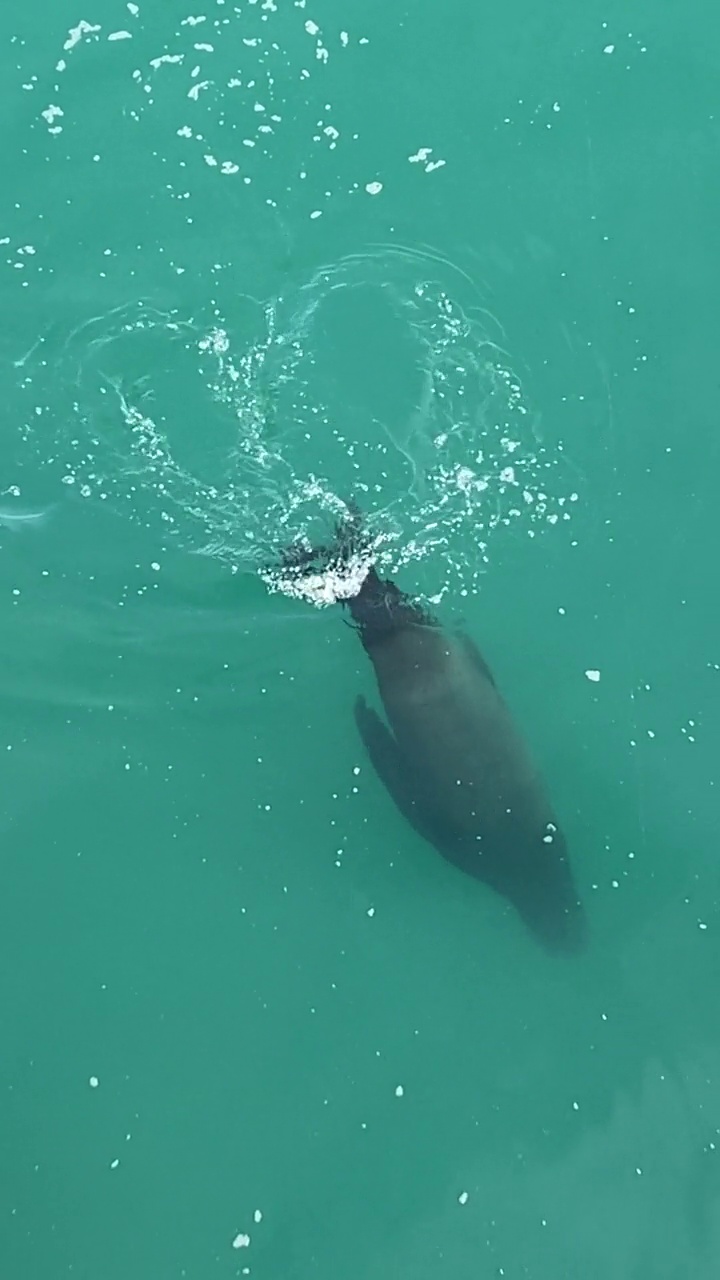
[[463, 1197], [257, 1216], [75, 34], [373, 188], [168, 58], [593, 675], [93, 1082], [241, 1241], [609, 48], [51, 113], [422, 156], [399, 1092], [463, 467]]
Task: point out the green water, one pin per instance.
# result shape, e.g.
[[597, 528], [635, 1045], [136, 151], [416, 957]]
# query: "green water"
[[251, 1024]]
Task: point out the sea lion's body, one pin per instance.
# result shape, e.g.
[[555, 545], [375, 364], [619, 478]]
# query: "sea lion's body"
[[457, 767], [451, 757]]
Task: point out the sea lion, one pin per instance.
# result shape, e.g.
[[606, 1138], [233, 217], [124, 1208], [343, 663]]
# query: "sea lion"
[[450, 755]]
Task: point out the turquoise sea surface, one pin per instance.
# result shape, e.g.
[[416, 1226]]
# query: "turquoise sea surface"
[[457, 263]]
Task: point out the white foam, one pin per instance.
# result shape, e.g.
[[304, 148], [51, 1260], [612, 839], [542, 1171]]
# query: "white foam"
[[331, 586]]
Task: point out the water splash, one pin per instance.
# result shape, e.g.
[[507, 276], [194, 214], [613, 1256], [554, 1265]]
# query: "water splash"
[[237, 436]]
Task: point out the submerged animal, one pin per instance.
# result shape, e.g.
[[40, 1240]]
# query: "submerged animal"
[[450, 755]]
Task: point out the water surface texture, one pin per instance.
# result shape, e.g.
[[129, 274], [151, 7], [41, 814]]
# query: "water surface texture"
[[456, 263]]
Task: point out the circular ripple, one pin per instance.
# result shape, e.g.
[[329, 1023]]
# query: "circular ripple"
[[370, 381]]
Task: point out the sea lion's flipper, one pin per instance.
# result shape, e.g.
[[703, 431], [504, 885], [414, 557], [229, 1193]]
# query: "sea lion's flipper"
[[387, 760], [475, 656]]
